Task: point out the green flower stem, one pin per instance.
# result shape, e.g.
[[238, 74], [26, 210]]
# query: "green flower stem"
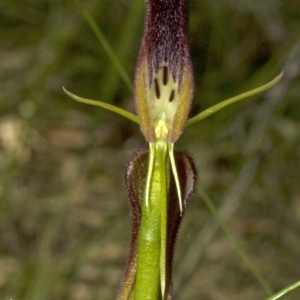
[[151, 261], [213, 109]]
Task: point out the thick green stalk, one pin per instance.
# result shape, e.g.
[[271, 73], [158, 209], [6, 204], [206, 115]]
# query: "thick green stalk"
[[152, 237]]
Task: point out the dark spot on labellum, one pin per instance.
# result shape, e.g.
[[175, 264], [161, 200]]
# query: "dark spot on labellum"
[[165, 75], [172, 96], [156, 86]]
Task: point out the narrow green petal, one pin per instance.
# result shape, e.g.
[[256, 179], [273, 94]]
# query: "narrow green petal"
[[122, 112], [213, 109], [175, 174]]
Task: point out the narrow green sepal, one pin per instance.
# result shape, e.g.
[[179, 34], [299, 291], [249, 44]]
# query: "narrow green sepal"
[[122, 112]]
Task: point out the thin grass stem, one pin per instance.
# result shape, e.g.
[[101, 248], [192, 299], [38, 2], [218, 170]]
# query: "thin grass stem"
[[107, 48], [235, 241], [285, 291]]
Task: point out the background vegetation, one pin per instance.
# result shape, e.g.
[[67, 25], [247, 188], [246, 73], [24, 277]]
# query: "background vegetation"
[[64, 214]]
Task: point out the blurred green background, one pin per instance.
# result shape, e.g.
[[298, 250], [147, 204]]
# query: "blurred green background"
[[64, 214]]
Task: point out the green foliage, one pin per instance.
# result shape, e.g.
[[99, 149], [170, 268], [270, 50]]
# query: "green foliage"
[[64, 214]]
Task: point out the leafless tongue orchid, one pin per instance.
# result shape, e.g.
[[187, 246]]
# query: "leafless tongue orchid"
[[159, 181]]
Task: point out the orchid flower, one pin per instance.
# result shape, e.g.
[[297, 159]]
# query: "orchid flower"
[[159, 180]]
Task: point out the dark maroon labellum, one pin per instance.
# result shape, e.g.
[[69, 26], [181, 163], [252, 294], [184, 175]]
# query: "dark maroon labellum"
[[165, 38]]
